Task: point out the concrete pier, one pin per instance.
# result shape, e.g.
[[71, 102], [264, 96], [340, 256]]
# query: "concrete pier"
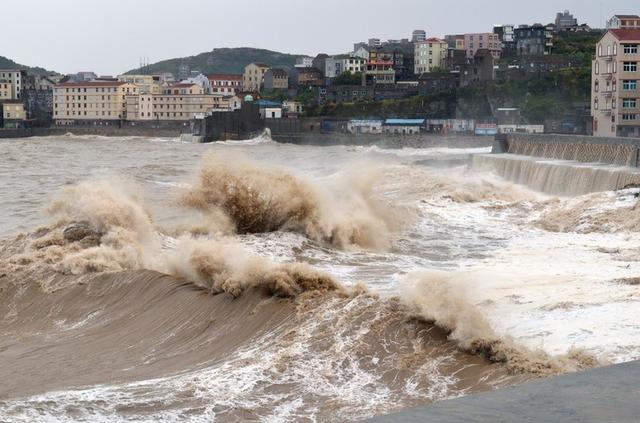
[[609, 394]]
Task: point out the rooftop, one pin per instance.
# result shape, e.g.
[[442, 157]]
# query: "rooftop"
[[92, 84], [226, 76], [626, 34], [404, 122], [627, 16]]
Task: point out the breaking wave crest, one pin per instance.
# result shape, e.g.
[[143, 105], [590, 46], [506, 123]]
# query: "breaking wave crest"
[[436, 297], [259, 199]]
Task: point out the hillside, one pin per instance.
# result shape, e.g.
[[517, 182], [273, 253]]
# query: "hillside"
[[223, 60], [10, 64]]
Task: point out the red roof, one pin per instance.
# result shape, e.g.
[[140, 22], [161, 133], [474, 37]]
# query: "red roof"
[[182, 85], [225, 77], [92, 84], [626, 34], [627, 16]]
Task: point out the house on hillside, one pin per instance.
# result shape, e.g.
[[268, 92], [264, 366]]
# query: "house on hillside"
[[403, 126], [253, 77], [276, 79]]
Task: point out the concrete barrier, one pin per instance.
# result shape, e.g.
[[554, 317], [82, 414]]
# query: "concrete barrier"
[[585, 149]]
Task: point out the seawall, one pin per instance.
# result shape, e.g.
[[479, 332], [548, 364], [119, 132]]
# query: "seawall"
[[383, 140], [579, 148], [105, 131]]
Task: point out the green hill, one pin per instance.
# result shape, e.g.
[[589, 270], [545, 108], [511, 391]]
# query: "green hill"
[[223, 60], [10, 64]]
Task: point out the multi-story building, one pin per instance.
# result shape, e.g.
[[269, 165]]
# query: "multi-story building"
[[182, 88], [536, 40], [6, 89], [254, 76], [455, 42], [565, 21], [276, 79], [90, 101], [482, 41], [353, 64], [506, 34], [374, 42], [146, 84], [13, 114], [430, 54], [305, 77], [379, 72], [226, 84], [173, 107], [200, 80], [624, 22], [83, 76], [615, 91], [418, 36], [304, 62], [17, 78]]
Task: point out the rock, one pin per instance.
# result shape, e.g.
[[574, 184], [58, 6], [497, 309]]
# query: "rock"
[[80, 231]]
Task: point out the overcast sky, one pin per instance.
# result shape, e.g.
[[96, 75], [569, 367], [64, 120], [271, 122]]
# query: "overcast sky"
[[110, 36]]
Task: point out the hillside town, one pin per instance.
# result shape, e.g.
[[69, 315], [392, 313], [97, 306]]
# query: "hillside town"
[[398, 86]]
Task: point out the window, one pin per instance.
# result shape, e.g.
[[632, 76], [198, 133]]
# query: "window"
[[629, 85], [629, 117], [630, 66], [630, 49], [597, 86], [629, 103], [595, 104], [597, 68]]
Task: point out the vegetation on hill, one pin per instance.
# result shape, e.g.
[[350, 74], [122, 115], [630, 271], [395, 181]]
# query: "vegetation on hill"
[[6, 63], [223, 60]]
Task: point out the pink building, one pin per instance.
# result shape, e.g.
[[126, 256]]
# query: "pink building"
[[488, 41], [226, 84]]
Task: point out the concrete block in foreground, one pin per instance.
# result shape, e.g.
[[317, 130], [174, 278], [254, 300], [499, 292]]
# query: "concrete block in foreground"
[[609, 394]]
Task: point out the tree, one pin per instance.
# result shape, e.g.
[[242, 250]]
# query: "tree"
[[348, 78]]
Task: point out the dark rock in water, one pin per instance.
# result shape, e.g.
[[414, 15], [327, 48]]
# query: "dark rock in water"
[[80, 231], [631, 186]]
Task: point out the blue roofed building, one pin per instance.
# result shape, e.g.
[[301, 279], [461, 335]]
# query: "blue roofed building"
[[403, 126]]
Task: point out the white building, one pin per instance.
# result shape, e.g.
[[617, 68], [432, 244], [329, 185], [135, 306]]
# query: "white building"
[[364, 127], [430, 54]]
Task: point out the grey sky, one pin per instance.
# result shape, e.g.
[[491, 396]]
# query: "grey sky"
[[110, 36]]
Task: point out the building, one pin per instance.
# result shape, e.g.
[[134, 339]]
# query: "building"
[[615, 91], [146, 84], [403, 57], [6, 89], [403, 126], [173, 107], [379, 72], [305, 77], [430, 54], [90, 101], [304, 62], [345, 94], [16, 78], [506, 34], [565, 21], [292, 108], [254, 76], [624, 22], [353, 64], [13, 114], [276, 79], [374, 42], [226, 84], [482, 41], [455, 41], [201, 80], [182, 88], [533, 40], [361, 51], [430, 83], [362, 126], [269, 109], [418, 36]]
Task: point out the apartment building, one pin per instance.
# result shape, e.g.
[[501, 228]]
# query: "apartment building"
[[353, 64], [254, 76], [146, 84], [90, 101], [430, 54], [615, 91], [276, 79], [226, 84], [379, 72], [16, 78], [173, 107], [483, 41]]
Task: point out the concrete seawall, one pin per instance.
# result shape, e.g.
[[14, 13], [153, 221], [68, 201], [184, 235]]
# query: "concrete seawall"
[[585, 149]]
